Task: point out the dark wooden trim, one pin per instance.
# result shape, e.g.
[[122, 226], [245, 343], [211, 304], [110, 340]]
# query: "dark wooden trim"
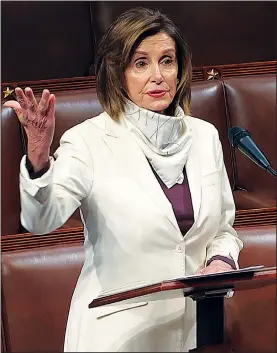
[[244, 218], [233, 70], [255, 217], [199, 74], [29, 241]]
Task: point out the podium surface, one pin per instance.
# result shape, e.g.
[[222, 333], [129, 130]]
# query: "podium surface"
[[242, 279]]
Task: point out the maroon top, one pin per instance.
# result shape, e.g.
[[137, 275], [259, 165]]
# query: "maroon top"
[[180, 198]]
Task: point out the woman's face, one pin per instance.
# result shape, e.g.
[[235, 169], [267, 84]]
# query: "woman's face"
[[151, 77]]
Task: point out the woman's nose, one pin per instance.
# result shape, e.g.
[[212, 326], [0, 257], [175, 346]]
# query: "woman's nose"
[[156, 74]]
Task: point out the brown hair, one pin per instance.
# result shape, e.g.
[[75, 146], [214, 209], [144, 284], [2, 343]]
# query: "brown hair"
[[117, 47]]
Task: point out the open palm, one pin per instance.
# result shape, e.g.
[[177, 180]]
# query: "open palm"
[[38, 120]]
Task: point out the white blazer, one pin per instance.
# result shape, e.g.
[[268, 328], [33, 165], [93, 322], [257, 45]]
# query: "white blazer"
[[131, 234]]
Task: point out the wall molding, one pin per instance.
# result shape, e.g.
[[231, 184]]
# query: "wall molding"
[[16, 242]]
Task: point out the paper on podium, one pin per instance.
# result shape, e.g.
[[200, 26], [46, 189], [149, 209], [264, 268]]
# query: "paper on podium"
[[185, 286]]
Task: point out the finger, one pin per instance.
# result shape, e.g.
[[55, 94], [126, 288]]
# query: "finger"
[[208, 270], [199, 269], [200, 272], [52, 105], [12, 104], [44, 102], [32, 103], [48, 118], [22, 100], [16, 107]]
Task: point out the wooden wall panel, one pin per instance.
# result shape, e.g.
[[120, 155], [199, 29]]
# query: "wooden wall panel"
[[52, 39], [46, 39], [218, 32]]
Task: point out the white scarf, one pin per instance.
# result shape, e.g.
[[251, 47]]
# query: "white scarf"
[[165, 140]]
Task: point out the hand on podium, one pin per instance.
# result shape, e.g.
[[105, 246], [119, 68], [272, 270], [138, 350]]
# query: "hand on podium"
[[214, 267]]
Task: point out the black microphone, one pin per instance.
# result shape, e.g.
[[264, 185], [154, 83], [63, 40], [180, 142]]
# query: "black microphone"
[[242, 139]]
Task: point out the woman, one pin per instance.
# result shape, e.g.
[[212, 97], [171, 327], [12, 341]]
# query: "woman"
[[150, 182]]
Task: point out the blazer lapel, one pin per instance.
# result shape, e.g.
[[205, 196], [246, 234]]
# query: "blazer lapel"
[[136, 165], [193, 170]]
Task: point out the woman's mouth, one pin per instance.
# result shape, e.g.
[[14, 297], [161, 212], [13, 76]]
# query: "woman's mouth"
[[156, 93]]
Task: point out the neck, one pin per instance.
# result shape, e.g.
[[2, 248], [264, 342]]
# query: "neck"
[[170, 110]]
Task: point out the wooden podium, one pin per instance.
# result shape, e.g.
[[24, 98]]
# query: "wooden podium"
[[208, 291]]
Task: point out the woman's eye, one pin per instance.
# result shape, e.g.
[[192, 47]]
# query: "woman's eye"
[[140, 64], [167, 61]]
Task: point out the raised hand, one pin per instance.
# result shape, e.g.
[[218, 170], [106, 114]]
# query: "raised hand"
[[38, 120]]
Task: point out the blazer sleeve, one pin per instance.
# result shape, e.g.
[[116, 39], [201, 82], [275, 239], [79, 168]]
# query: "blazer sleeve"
[[226, 242], [47, 202]]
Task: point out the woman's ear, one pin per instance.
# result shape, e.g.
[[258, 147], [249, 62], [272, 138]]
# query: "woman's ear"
[[123, 89]]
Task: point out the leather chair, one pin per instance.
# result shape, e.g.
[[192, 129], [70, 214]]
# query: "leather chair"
[[208, 103], [251, 315], [11, 154], [251, 104], [37, 286]]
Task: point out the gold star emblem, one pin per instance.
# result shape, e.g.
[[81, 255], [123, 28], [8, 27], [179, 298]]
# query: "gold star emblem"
[[212, 74], [8, 92]]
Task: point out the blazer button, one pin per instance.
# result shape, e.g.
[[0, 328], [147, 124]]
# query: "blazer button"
[[180, 248]]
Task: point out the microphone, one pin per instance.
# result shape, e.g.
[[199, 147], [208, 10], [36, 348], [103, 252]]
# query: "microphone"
[[242, 139]]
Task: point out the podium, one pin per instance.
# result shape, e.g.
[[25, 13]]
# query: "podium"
[[208, 291]]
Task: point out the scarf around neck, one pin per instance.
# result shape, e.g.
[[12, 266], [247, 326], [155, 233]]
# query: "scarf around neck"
[[165, 140]]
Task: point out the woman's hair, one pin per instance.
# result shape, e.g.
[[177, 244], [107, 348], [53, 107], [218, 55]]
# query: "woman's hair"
[[116, 50]]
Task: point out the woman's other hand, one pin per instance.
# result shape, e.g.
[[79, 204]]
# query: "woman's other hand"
[[38, 120], [214, 267]]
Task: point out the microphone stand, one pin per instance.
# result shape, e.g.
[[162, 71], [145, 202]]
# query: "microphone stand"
[[271, 171]]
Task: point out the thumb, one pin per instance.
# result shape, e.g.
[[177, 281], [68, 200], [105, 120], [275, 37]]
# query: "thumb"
[[200, 270], [15, 106]]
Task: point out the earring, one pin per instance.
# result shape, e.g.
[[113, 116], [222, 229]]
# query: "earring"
[[178, 82]]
